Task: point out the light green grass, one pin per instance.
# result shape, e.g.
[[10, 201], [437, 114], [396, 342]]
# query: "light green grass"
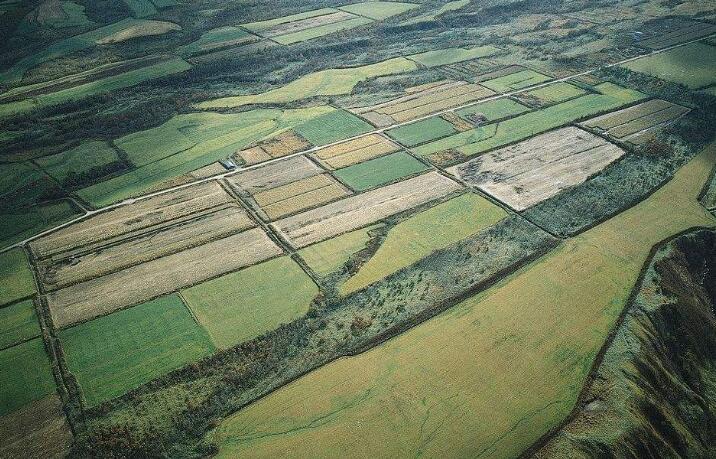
[[452, 55], [332, 126], [422, 234], [332, 82], [556, 93], [320, 31], [423, 131], [380, 171], [18, 323], [141, 8], [78, 160], [484, 138], [379, 10], [25, 375], [116, 353], [216, 38], [15, 176], [20, 224], [188, 142], [263, 25], [243, 305], [516, 81], [15, 276], [435, 14], [107, 84], [691, 65], [494, 110], [329, 256]]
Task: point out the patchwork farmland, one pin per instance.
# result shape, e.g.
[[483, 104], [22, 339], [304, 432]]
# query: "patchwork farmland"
[[259, 229]]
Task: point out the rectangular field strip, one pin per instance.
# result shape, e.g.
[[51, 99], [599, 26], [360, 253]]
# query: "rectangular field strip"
[[355, 151], [379, 171], [364, 209]]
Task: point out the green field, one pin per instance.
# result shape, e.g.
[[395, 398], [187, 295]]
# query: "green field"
[[320, 31], [243, 305], [422, 234], [111, 83], [73, 16], [18, 323], [332, 82], [481, 139], [16, 276], [524, 347], [691, 65], [494, 110], [113, 354], [79, 160], [452, 55], [217, 38], [329, 256], [188, 142], [19, 224], [140, 8], [25, 375], [379, 10], [422, 131], [516, 81], [380, 171], [331, 127], [22, 184], [555, 93]]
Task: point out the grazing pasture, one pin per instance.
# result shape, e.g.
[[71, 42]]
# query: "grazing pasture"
[[116, 353], [634, 123], [332, 127], [25, 375], [379, 171], [243, 305], [552, 94], [140, 8], [562, 306], [80, 161], [691, 65], [423, 233], [364, 209], [423, 101], [141, 282], [16, 276], [529, 172], [327, 257], [379, 10], [435, 14], [422, 131], [355, 151], [18, 323]]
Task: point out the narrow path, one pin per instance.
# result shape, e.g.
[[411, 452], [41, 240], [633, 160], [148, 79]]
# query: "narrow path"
[[130, 201]]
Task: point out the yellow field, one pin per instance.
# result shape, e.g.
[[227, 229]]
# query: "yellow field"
[[492, 374], [299, 195], [355, 151]]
